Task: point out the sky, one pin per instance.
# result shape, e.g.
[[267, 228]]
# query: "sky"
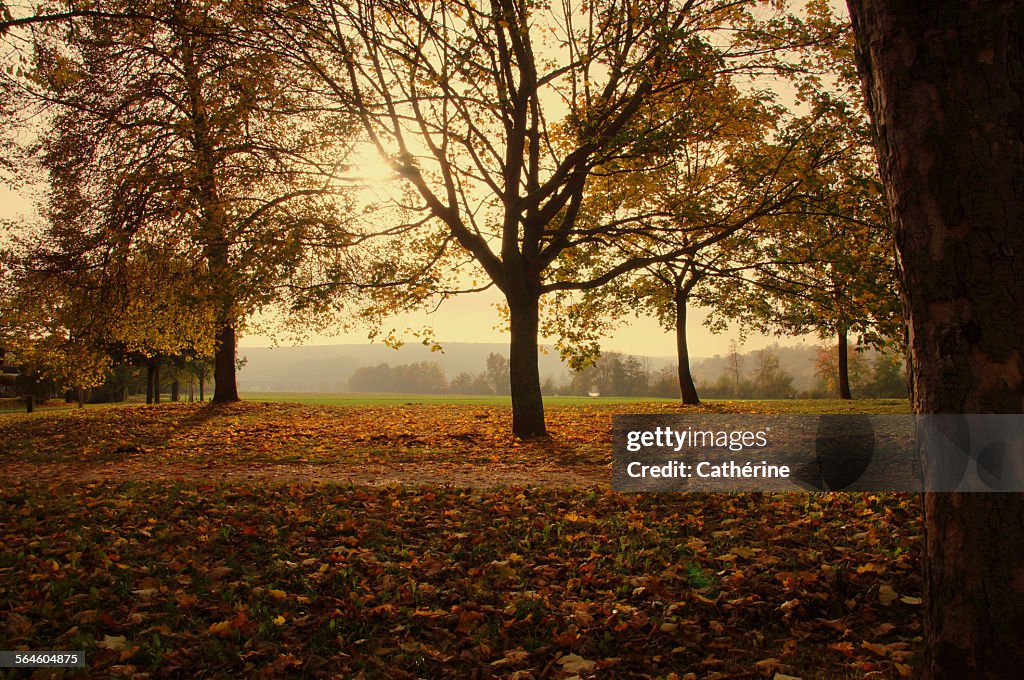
[[473, 318]]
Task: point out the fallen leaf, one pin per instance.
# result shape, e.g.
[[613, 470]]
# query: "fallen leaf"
[[221, 628], [574, 663], [115, 643]]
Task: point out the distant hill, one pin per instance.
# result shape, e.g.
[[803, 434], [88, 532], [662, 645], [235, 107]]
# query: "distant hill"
[[327, 368]]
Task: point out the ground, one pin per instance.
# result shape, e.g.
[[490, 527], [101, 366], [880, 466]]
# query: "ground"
[[393, 541]]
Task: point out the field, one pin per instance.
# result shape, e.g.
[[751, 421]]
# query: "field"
[[355, 399], [382, 539]]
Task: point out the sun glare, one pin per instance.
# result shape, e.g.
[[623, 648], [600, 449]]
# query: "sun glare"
[[367, 167]]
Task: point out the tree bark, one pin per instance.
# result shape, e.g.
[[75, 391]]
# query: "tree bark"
[[214, 227], [524, 372], [844, 365], [156, 382], [175, 390], [225, 389], [944, 84], [149, 382], [687, 390]]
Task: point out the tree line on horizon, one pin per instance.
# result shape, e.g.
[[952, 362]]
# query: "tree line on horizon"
[[757, 374]]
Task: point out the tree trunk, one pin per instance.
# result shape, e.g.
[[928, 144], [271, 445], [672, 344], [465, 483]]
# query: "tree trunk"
[[944, 84], [214, 229], [175, 389], [80, 397], [149, 382], [156, 382], [524, 373], [30, 403], [202, 387], [687, 390], [224, 387], [844, 365]]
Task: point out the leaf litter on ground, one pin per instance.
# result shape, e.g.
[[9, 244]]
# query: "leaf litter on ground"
[[270, 578]]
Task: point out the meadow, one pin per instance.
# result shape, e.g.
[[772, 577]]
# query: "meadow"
[[405, 537]]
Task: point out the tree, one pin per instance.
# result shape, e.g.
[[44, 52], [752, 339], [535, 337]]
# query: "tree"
[[943, 87], [756, 194], [770, 381], [498, 373], [833, 380], [735, 367], [425, 377], [887, 376], [827, 268], [171, 123], [496, 114], [69, 312], [461, 383]]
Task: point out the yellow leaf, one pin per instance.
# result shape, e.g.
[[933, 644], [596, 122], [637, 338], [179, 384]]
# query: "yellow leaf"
[[221, 628], [277, 594], [279, 621]]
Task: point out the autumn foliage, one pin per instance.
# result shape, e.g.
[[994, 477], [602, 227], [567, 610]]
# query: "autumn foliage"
[[235, 565]]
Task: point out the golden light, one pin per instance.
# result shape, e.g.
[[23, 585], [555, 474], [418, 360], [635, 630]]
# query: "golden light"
[[368, 168]]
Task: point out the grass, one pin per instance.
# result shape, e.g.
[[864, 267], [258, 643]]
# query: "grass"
[[767, 405], [388, 399], [368, 399]]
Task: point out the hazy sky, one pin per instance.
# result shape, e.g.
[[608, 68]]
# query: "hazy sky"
[[473, 318]]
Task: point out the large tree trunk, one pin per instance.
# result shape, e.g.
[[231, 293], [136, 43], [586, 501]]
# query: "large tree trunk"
[[524, 373], [156, 382], [214, 227], [844, 365], [687, 390], [944, 84], [225, 388]]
